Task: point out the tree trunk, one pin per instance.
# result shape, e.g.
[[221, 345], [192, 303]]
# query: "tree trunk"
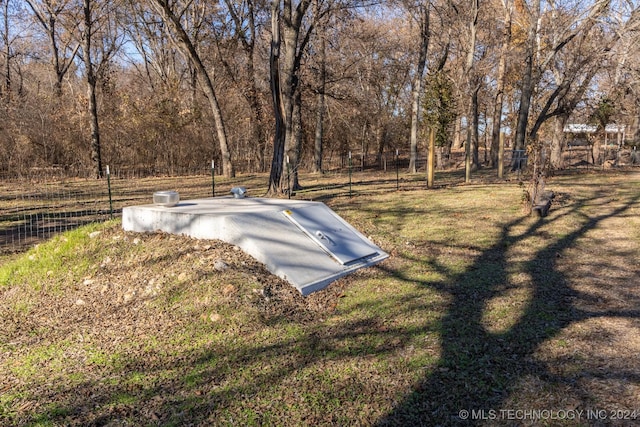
[[297, 137], [596, 150], [381, 142], [439, 159], [7, 54], [258, 119], [475, 133], [275, 175], [317, 144], [289, 88], [458, 141], [557, 143], [96, 156], [423, 14], [526, 91], [288, 82], [320, 108], [501, 80], [471, 150]]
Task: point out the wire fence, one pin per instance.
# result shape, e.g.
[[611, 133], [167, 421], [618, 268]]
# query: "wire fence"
[[38, 205]]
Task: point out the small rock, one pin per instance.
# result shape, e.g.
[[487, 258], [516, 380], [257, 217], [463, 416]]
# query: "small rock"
[[80, 302], [215, 317], [94, 234], [88, 282], [220, 265]]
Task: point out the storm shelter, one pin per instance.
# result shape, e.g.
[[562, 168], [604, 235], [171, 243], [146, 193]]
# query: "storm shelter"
[[303, 242]]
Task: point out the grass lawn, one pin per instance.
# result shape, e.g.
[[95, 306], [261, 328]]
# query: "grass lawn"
[[481, 316]]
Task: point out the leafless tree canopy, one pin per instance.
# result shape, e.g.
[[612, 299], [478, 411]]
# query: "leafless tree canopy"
[[173, 84]]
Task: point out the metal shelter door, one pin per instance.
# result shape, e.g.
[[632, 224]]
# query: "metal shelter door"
[[330, 233]]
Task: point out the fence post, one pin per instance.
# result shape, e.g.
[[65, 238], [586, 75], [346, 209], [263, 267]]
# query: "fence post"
[[349, 174], [213, 178], [109, 187]]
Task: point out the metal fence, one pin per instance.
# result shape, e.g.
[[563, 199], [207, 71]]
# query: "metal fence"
[[43, 203], [40, 205]]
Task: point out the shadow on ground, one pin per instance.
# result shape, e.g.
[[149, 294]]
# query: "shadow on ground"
[[478, 368]]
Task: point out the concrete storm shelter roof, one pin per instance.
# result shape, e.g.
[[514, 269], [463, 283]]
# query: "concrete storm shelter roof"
[[303, 242]]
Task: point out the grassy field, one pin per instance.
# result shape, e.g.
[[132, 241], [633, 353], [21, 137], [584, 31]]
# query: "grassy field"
[[481, 316]]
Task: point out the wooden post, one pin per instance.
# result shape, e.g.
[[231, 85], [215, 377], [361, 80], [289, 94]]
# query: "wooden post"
[[431, 160]]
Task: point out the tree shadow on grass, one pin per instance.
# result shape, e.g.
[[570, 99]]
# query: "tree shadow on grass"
[[476, 370], [479, 368]]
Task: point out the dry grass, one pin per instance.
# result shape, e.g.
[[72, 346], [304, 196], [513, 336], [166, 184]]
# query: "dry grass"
[[519, 321]]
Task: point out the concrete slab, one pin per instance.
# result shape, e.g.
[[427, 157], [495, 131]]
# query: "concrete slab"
[[303, 242]]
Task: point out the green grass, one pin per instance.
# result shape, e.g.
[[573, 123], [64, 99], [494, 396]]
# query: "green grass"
[[478, 307], [46, 263]]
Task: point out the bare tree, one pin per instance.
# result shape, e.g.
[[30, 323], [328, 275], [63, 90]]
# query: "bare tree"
[[537, 60], [292, 29], [48, 14], [87, 33], [420, 12], [472, 82], [8, 38], [243, 28], [321, 87], [161, 65], [507, 6], [574, 75], [284, 83], [99, 24], [184, 42], [527, 85]]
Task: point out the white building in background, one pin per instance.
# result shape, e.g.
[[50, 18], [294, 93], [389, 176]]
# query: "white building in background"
[[614, 134]]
